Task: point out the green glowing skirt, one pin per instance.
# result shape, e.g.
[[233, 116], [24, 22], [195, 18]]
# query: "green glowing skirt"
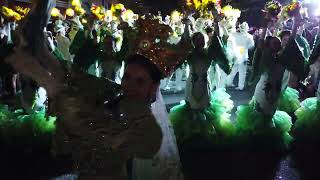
[[255, 127], [213, 122], [308, 119], [21, 130], [289, 101]]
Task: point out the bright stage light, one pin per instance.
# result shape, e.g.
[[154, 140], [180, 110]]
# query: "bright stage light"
[[84, 21], [70, 12]]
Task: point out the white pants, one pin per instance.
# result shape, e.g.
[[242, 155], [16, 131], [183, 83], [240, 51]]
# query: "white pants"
[[242, 69]]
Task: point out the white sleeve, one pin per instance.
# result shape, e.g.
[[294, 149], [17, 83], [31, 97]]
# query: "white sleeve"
[[250, 41]]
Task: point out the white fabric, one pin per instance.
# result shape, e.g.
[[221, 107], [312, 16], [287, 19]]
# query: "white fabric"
[[177, 84], [231, 46], [178, 81], [242, 70], [119, 73], [285, 80], [5, 31], [268, 89], [94, 69], [243, 42], [174, 39], [213, 76], [166, 164], [41, 97], [221, 77], [238, 45]]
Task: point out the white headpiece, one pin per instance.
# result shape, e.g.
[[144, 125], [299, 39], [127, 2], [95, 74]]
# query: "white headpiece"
[[244, 27]]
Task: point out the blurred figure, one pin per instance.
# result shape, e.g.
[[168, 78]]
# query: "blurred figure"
[[243, 42]]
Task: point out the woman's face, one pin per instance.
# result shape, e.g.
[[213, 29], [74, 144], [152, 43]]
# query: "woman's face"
[[138, 84]]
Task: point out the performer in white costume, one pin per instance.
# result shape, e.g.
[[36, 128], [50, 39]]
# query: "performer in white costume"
[[227, 27], [243, 42]]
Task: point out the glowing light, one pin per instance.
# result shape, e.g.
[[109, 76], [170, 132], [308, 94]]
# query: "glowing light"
[[117, 9], [22, 11], [11, 14], [84, 21], [128, 15], [98, 12], [189, 3], [108, 15], [76, 3], [70, 12], [229, 11], [175, 16], [79, 10], [55, 12]]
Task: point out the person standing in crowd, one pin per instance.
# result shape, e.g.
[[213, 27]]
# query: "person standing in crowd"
[[243, 43]]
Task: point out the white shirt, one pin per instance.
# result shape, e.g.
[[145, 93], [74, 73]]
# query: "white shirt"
[[243, 42]]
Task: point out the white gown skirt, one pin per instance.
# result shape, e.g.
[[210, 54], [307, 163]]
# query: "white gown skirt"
[[166, 164]]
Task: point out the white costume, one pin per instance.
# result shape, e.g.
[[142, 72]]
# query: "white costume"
[[5, 31], [220, 75], [243, 42], [219, 78]]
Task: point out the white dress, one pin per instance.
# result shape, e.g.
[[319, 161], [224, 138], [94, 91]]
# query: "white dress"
[[166, 164]]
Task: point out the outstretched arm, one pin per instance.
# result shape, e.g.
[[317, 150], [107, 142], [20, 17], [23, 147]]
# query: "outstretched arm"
[[218, 52], [28, 65]]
